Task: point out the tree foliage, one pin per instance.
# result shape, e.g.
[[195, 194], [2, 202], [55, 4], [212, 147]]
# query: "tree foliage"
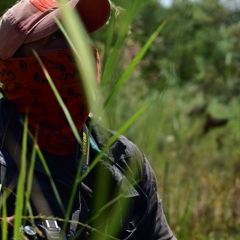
[[5, 4], [199, 45]]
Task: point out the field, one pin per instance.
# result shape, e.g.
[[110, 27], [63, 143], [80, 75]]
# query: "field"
[[198, 172]]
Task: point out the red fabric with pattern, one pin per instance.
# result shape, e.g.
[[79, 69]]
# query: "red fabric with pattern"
[[25, 84]]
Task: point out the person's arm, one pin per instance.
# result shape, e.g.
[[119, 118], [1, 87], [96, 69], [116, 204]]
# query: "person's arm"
[[154, 226], [127, 155]]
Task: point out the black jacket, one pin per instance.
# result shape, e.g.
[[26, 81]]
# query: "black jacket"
[[129, 206]]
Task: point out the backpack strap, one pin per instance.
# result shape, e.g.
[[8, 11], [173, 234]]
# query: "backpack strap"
[[81, 214]]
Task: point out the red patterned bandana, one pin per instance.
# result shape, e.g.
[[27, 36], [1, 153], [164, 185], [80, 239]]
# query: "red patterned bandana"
[[25, 84]]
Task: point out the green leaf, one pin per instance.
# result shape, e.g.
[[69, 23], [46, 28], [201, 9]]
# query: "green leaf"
[[133, 64]]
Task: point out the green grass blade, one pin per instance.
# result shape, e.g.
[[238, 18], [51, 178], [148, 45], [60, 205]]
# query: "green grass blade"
[[30, 177], [21, 183], [80, 45], [110, 61], [115, 136], [133, 64], [59, 99], [4, 224], [49, 175]]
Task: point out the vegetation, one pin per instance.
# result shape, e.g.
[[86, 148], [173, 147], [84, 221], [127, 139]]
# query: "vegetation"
[[189, 79], [191, 133]]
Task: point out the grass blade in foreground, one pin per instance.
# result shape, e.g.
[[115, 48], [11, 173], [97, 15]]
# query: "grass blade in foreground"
[[133, 64], [82, 51], [21, 183], [109, 61], [118, 133]]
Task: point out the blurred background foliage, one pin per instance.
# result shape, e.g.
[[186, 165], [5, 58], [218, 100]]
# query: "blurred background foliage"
[[191, 132]]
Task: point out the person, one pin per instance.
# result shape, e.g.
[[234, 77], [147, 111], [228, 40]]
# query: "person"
[[117, 198]]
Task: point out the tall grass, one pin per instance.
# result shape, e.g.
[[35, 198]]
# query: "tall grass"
[[198, 175], [77, 38]]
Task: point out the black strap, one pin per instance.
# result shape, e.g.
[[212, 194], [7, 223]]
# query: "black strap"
[[81, 214]]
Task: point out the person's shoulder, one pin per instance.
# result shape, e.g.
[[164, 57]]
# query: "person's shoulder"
[[120, 148], [118, 143]]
